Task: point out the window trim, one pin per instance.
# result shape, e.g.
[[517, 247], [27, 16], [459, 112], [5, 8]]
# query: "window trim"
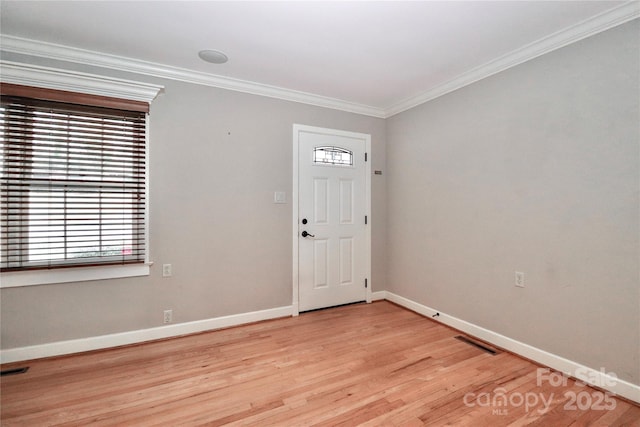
[[72, 81], [82, 83], [13, 279]]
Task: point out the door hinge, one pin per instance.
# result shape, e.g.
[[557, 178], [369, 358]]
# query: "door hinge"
[[365, 220], [366, 157], [366, 283]]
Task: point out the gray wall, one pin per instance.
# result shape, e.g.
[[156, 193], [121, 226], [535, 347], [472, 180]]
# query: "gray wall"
[[536, 170], [216, 158]]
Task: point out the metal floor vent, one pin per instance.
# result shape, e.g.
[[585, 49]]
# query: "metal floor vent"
[[13, 371], [477, 344]]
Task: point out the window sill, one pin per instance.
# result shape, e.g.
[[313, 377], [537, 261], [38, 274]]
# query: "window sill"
[[65, 275]]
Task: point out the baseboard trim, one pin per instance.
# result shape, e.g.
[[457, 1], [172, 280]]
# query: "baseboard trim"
[[586, 374], [378, 296], [134, 337]]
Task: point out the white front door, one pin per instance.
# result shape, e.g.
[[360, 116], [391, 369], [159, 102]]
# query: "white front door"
[[332, 217]]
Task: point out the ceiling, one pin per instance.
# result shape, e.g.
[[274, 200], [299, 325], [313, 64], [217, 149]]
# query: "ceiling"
[[376, 55]]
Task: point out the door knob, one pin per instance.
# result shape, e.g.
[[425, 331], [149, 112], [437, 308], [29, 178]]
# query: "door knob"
[[305, 234]]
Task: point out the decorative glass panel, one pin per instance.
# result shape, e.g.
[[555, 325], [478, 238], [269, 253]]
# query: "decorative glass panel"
[[333, 156]]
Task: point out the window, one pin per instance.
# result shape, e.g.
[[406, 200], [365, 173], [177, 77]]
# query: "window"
[[332, 156], [72, 180]]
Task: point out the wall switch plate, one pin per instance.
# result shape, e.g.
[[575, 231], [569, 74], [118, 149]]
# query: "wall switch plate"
[[168, 316], [519, 279], [166, 270], [279, 197]]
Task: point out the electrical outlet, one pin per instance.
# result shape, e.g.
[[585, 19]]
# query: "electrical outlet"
[[168, 316], [166, 270], [519, 279]]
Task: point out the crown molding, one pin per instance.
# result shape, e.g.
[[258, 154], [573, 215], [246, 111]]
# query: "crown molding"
[[589, 27], [51, 78], [58, 52], [599, 23]]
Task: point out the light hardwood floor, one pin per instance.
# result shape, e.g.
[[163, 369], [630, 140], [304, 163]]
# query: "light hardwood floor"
[[367, 364]]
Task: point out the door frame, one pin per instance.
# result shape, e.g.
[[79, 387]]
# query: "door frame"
[[297, 128]]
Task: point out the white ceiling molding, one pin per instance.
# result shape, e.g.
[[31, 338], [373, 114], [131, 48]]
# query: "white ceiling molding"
[[51, 78], [80, 56], [575, 33], [589, 27]]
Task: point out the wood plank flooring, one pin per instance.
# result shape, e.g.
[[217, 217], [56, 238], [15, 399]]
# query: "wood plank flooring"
[[368, 364]]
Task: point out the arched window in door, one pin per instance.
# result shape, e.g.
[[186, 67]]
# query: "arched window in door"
[[332, 156]]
